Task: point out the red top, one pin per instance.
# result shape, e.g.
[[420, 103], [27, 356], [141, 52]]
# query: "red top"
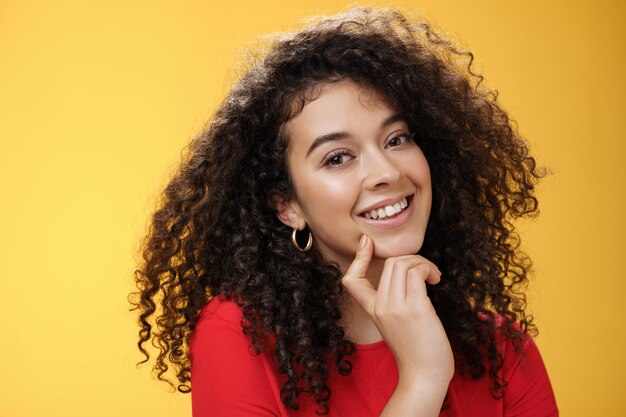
[[229, 380]]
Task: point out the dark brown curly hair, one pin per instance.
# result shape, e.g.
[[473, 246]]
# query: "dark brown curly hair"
[[216, 232]]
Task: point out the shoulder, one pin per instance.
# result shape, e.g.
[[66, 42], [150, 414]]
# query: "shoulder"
[[228, 378], [527, 388], [528, 391], [514, 344], [218, 328], [221, 309]]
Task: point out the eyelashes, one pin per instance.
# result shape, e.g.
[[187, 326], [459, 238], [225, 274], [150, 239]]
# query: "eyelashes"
[[406, 136], [339, 157]]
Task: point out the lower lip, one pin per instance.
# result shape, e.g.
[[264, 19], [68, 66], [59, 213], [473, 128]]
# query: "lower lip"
[[394, 221]]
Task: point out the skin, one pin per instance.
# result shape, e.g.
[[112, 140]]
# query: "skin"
[[337, 180], [372, 163], [402, 311]]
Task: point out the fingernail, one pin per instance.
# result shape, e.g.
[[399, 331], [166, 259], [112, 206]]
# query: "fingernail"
[[363, 242]]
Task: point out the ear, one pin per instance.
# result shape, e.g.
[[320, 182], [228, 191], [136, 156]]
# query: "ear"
[[289, 212]]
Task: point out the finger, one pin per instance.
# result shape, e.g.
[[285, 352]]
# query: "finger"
[[417, 294], [355, 279], [360, 264], [432, 273], [416, 284], [397, 284], [434, 276], [392, 288], [435, 267], [384, 283]]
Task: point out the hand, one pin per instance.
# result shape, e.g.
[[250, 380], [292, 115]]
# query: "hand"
[[404, 315]]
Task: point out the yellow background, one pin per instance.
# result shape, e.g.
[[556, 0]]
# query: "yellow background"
[[97, 99]]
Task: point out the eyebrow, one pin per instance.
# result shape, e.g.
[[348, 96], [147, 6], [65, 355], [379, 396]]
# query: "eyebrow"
[[329, 137]]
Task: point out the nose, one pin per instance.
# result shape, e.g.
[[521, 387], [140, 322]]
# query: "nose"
[[380, 169]]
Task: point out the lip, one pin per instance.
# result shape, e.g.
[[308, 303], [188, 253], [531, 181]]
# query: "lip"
[[386, 202], [394, 221]]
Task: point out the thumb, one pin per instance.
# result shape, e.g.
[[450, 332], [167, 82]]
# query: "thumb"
[[355, 279]]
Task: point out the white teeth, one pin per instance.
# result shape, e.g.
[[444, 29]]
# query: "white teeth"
[[387, 211]]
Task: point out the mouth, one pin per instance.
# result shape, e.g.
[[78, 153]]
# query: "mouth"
[[388, 211]]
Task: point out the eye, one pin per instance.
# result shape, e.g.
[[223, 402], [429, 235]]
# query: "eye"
[[337, 158], [400, 139]]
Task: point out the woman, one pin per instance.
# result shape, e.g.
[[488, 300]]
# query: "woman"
[[281, 272]]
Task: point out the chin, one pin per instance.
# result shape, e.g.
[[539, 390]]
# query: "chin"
[[384, 250]]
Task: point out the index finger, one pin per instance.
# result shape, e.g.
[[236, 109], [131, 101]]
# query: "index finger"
[[355, 279], [360, 264]]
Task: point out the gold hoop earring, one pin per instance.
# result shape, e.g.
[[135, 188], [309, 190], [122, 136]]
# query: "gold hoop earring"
[[309, 242]]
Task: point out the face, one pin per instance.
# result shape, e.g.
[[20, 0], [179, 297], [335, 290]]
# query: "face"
[[356, 170]]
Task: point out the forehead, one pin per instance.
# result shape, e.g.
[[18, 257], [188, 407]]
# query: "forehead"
[[338, 106]]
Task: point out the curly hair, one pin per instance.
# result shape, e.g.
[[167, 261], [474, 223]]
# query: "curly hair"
[[215, 231]]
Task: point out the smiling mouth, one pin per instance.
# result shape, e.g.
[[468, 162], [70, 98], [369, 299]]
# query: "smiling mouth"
[[389, 211]]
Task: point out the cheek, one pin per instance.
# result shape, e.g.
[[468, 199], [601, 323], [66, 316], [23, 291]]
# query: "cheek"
[[417, 165], [330, 194], [326, 199]]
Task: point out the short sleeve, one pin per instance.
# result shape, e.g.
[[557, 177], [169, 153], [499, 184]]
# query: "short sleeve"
[[227, 378], [528, 392]]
